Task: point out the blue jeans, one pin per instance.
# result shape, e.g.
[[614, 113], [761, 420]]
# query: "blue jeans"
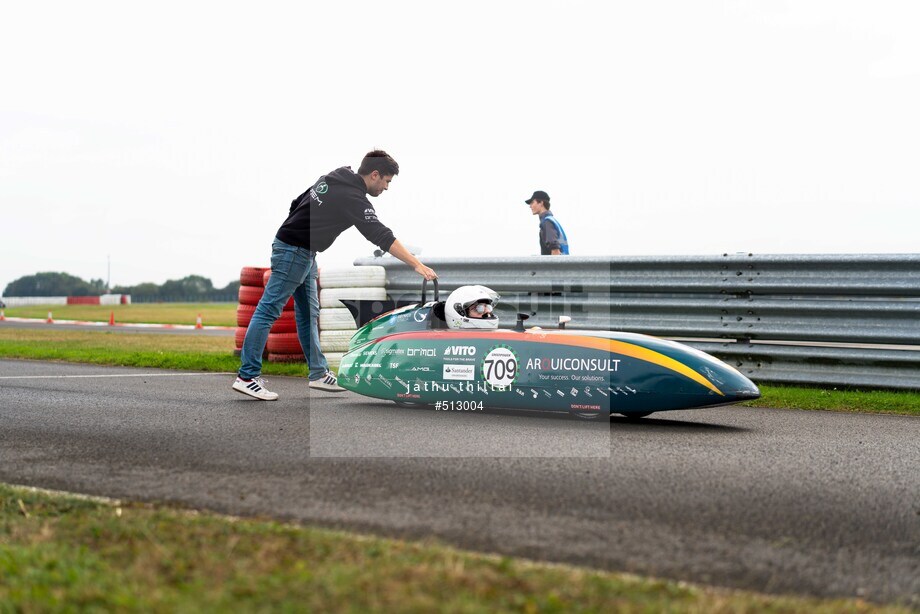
[[293, 273]]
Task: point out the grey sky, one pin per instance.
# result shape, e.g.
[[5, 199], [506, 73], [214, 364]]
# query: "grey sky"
[[173, 135]]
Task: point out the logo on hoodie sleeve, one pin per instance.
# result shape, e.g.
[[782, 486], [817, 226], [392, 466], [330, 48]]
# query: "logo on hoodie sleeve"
[[370, 215], [315, 191]]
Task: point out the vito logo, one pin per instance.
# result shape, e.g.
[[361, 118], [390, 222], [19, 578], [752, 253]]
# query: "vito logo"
[[460, 350]]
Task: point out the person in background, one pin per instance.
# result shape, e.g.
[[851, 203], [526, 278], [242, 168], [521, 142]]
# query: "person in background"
[[336, 202], [552, 238]]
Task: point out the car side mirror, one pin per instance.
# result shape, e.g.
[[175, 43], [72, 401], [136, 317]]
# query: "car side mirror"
[[519, 326]]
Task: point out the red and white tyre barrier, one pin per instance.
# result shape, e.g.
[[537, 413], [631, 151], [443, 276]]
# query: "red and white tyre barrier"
[[335, 340]]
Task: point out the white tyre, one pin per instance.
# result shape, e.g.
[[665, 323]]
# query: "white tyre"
[[335, 340], [353, 277], [330, 297], [336, 319]]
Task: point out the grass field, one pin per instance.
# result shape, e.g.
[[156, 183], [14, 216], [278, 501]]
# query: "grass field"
[[207, 353], [60, 552], [212, 314]]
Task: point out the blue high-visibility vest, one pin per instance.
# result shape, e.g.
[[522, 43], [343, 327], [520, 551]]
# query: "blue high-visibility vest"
[[563, 240]]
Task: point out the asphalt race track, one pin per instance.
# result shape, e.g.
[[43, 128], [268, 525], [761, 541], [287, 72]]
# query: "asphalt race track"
[[818, 503]]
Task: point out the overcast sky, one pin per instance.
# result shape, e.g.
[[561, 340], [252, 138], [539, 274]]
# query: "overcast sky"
[[172, 136]]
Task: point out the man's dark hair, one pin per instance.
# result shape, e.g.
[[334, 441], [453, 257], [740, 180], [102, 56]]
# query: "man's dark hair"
[[380, 161]]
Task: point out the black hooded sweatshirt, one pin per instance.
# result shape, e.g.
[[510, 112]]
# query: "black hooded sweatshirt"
[[335, 203]]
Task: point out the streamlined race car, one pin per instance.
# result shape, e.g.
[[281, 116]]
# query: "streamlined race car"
[[433, 352]]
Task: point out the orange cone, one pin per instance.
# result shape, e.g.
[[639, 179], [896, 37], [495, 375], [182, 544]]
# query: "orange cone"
[[2, 316], [111, 318], [50, 320], [198, 322]]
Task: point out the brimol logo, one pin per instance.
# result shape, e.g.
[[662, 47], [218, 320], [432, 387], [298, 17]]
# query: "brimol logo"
[[460, 350]]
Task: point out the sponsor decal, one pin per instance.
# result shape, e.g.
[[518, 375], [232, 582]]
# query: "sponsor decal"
[[560, 393], [582, 406], [421, 352], [521, 392], [370, 215], [322, 188], [371, 365], [460, 350], [426, 369], [459, 372], [500, 367], [420, 316], [588, 391], [573, 364], [601, 391], [574, 392]]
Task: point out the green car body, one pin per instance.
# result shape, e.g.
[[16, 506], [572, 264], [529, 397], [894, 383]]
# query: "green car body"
[[409, 356]]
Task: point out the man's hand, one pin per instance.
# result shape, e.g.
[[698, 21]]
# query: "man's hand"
[[426, 272]]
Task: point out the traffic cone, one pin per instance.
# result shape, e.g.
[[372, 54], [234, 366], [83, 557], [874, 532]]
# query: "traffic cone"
[[50, 320], [111, 318], [198, 322], [2, 316]]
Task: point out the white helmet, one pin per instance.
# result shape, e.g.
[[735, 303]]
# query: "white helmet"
[[461, 299]]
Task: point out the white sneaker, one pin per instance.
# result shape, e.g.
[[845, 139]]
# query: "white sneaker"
[[255, 388], [328, 383]]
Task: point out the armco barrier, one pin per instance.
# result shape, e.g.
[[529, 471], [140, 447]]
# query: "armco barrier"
[[105, 299], [848, 320]]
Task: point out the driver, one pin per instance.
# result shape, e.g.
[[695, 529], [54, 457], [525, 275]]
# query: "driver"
[[471, 307]]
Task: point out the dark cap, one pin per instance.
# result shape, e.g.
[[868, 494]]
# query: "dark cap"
[[538, 195]]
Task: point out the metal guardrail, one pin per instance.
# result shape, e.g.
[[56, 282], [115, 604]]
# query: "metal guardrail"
[[776, 317]]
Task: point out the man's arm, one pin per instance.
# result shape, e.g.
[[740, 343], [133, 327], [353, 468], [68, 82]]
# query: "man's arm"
[[398, 251], [551, 238]]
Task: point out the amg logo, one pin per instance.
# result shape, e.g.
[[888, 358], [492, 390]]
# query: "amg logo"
[[460, 350], [420, 352]]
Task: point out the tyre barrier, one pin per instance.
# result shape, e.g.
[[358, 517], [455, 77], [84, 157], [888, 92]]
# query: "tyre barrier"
[[332, 297], [250, 295], [244, 314], [284, 343], [335, 340], [353, 277], [253, 276], [336, 319]]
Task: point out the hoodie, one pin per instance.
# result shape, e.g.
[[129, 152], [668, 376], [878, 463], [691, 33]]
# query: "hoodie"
[[335, 203]]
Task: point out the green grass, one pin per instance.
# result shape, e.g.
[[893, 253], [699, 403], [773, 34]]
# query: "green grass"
[[60, 552], [162, 351], [208, 353], [212, 314], [872, 401]]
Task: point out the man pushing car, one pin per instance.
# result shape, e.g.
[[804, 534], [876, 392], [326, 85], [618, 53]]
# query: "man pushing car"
[[336, 202]]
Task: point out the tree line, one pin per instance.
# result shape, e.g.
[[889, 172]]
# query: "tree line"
[[191, 288]]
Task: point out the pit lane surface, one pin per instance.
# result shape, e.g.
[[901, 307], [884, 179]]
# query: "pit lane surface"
[[817, 503]]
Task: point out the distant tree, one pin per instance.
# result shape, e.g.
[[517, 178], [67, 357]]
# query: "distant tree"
[[191, 287], [50, 284], [144, 293], [232, 288]]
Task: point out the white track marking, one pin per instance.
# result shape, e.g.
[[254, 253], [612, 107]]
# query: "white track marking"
[[108, 375]]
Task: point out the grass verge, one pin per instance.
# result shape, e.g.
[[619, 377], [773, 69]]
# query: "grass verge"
[[863, 401], [162, 351], [208, 353], [212, 314], [65, 552]]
